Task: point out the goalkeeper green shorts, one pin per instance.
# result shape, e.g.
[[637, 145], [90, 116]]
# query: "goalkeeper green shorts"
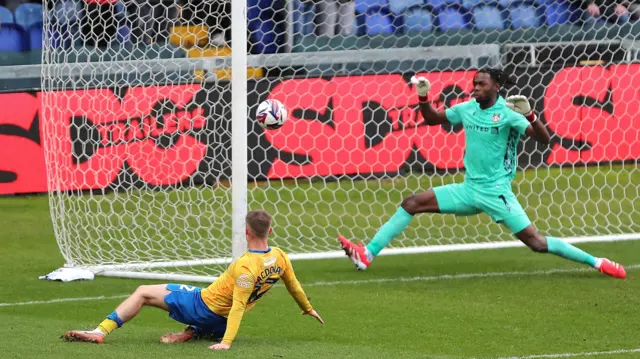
[[498, 201]]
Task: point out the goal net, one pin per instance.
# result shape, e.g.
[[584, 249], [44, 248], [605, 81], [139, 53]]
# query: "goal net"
[[153, 157]]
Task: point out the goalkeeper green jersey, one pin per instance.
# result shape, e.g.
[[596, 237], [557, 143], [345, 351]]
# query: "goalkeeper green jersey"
[[491, 137]]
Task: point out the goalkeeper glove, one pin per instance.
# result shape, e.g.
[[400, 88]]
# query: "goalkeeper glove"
[[422, 87], [520, 104]]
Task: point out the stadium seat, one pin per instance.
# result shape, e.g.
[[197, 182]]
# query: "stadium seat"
[[65, 24], [505, 4], [419, 18], [557, 13], [220, 74], [400, 6], [486, 17], [28, 14], [267, 26], [6, 17], [189, 36], [303, 13], [34, 32], [470, 4], [363, 6], [523, 14], [11, 38], [436, 4], [452, 17], [378, 21], [123, 35], [67, 12]]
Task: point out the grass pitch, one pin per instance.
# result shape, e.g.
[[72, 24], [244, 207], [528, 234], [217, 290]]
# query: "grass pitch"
[[478, 304]]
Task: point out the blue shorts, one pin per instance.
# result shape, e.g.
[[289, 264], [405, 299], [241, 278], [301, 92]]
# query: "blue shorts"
[[498, 201], [186, 306]]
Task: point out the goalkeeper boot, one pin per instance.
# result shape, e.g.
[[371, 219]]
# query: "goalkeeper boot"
[[356, 252], [612, 268], [185, 335], [92, 336]]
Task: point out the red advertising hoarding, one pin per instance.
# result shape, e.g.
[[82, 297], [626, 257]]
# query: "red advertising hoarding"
[[167, 135]]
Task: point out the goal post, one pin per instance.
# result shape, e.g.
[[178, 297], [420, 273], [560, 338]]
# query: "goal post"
[[239, 116], [153, 158]]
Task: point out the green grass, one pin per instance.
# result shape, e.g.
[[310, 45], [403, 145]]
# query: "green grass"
[[378, 315], [195, 222]]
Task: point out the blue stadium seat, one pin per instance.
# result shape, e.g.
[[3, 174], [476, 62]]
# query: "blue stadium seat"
[[419, 18], [64, 27], [452, 17], [523, 14], [379, 21], [507, 3], [11, 37], [28, 14], [363, 6], [267, 25], [470, 4], [436, 4], [557, 13], [303, 13], [6, 17], [34, 32], [486, 17], [123, 35], [401, 6], [67, 12]]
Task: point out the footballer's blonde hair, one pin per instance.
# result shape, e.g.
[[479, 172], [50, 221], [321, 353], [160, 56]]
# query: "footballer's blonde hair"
[[259, 222]]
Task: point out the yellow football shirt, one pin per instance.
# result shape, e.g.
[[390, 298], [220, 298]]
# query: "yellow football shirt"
[[247, 280]]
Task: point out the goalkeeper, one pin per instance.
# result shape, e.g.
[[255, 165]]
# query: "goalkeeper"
[[492, 128], [215, 311]]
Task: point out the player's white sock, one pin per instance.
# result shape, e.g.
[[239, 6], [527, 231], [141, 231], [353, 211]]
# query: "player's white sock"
[[598, 263], [369, 255]]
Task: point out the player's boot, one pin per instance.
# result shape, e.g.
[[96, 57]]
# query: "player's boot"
[[355, 252], [84, 336], [185, 335], [612, 268]]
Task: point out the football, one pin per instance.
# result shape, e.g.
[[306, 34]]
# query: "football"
[[271, 114]]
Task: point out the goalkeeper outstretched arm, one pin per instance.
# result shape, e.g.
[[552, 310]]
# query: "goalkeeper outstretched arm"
[[536, 129]]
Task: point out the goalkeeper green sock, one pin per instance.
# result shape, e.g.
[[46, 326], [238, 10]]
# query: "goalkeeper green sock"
[[566, 250], [394, 226]]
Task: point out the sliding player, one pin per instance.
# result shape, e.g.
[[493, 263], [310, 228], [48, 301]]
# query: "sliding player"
[[492, 128], [217, 310]]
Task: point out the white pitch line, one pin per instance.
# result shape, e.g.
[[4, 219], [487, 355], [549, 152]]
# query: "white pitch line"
[[61, 300], [571, 355], [460, 276], [352, 282]]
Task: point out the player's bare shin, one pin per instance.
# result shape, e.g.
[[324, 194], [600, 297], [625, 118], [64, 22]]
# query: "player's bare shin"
[[151, 295]]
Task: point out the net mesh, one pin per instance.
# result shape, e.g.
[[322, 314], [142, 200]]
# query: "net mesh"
[[137, 122]]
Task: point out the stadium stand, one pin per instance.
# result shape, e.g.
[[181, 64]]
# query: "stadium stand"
[[378, 23], [6, 17]]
